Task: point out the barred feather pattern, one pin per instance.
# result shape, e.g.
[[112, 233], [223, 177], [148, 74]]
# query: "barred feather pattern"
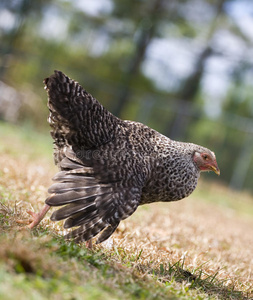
[[108, 167], [76, 117], [88, 202]]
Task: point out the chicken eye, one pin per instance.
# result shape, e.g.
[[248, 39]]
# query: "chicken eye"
[[205, 157]]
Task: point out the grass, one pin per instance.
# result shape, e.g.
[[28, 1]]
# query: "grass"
[[197, 248]]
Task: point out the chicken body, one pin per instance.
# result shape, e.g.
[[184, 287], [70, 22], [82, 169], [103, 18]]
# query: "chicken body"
[[108, 167]]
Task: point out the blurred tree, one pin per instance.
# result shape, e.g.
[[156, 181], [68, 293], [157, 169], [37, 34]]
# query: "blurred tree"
[[146, 28], [190, 87], [240, 107], [21, 11]]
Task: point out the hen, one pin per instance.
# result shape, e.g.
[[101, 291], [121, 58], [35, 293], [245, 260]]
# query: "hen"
[[108, 167]]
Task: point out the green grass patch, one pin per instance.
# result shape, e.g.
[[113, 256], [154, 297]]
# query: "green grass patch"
[[25, 141], [240, 203], [39, 265]]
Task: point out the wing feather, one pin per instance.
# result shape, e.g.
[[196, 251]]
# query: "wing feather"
[[76, 117], [89, 204]]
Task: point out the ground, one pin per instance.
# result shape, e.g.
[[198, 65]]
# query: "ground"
[[197, 248]]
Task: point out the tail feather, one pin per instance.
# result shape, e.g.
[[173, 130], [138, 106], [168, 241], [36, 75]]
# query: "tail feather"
[[84, 221], [64, 176], [76, 117], [62, 187], [83, 232], [107, 233], [60, 199], [91, 232], [72, 209], [69, 164], [70, 196]]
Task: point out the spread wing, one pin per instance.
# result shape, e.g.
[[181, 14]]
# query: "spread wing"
[[88, 203]]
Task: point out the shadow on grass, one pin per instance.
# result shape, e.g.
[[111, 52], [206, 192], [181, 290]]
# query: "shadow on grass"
[[210, 284]]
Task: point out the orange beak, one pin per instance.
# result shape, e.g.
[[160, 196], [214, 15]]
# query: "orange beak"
[[215, 168]]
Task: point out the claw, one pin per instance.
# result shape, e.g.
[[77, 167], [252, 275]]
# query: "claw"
[[88, 244], [25, 222], [35, 217]]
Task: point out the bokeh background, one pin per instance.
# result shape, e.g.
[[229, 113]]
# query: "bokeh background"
[[184, 67]]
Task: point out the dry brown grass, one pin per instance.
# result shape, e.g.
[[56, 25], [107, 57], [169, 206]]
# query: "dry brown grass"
[[208, 238], [213, 242]]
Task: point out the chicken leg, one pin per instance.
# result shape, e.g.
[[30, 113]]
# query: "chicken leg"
[[35, 218]]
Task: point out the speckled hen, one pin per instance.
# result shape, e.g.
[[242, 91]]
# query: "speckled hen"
[[108, 167]]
